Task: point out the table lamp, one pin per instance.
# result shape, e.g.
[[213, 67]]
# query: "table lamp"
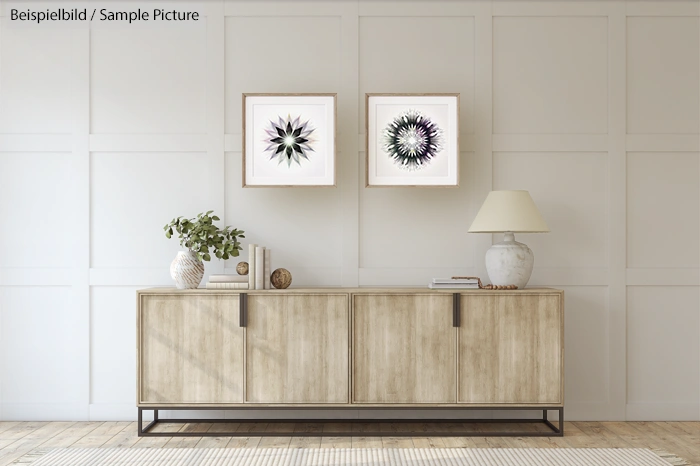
[[509, 212]]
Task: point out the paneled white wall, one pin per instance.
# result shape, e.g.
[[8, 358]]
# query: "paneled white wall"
[[593, 106]]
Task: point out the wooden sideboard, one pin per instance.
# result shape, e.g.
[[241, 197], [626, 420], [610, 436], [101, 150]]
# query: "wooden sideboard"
[[347, 348]]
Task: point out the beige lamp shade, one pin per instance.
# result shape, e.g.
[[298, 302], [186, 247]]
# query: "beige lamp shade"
[[513, 211]]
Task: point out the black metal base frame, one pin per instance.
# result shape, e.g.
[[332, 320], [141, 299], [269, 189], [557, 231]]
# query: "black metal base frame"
[[554, 431]]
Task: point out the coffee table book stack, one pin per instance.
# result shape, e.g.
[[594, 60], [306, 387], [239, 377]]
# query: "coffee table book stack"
[[454, 283], [228, 282]]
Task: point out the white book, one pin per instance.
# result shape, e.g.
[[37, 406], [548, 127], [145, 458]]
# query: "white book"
[[228, 278], [227, 286], [251, 266], [267, 269], [455, 280], [259, 268], [452, 286]]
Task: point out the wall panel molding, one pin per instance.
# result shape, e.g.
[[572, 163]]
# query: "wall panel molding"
[[160, 276], [435, 8], [617, 176], [242, 8], [660, 276], [81, 239], [114, 412], [36, 142], [587, 411], [663, 8], [663, 143], [547, 8], [467, 142], [483, 125], [38, 276], [148, 142], [550, 142], [216, 114], [404, 276], [662, 411], [569, 276], [348, 118], [45, 412]]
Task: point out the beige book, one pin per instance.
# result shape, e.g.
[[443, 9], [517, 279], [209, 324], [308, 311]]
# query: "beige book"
[[259, 267], [251, 266], [267, 269], [227, 286], [227, 278]]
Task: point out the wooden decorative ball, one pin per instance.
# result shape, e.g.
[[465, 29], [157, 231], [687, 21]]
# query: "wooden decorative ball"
[[281, 279], [242, 268]]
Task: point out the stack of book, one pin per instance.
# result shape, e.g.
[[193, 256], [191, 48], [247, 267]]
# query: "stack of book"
[[258, 267], [453, 283], [228, 282]]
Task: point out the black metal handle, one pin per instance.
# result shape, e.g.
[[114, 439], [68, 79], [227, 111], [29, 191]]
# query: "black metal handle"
[[455, 309], [243, 309]]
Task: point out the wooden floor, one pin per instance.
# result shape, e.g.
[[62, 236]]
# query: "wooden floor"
[[19, 438]]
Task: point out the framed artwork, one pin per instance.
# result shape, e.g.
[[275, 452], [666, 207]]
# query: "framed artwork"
[[289, 140], [412, 140]]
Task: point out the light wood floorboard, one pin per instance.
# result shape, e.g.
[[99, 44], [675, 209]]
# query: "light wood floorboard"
[[19, 438], [43, 433]]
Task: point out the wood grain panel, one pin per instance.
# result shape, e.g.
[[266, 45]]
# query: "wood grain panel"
[[191, 349], [511, 349], [403, 349], [297, 348]]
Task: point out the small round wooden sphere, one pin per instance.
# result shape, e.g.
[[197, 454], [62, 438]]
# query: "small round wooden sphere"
[[242, 268], [281, 279]]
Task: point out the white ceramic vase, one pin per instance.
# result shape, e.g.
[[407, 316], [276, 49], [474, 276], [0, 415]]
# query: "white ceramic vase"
[[187, 270]]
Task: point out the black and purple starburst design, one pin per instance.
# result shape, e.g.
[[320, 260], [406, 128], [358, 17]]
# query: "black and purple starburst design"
[[289, 139], [412, 140]]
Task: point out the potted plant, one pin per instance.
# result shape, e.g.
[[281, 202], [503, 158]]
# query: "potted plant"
[[200, 237]]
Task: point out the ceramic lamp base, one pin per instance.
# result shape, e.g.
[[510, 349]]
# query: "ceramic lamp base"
[[509, 262]]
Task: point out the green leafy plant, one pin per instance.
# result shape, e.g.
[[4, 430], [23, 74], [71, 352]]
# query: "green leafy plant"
[[199, 234]]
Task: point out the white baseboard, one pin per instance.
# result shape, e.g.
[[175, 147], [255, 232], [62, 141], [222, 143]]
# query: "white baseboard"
[[114, 412], [663, 411], [44, 411], [588, 411], [128, 412]]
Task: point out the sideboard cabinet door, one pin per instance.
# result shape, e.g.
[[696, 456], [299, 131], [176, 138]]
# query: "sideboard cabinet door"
[[297, 348], [190, 349], [403, 349], [511, 349]]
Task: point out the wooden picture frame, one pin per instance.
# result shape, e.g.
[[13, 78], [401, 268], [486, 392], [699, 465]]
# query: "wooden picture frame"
[[289, 140], [430, 157]]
